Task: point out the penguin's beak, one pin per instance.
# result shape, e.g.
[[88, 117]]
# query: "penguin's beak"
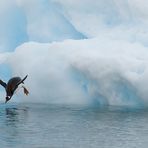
[[7, 99]]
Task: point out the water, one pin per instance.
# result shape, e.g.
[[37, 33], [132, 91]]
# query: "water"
[[67, 126]]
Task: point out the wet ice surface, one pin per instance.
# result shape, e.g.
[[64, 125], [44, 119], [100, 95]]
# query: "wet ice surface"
[[68, 126]]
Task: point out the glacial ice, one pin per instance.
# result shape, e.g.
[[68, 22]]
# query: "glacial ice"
[[77, 51]]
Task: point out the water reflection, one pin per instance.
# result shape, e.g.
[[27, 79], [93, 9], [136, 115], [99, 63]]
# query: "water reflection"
[[15, 115], [12, 116], [13, 124]]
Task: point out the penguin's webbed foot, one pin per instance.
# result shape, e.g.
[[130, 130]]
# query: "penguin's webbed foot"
[[26, 92]]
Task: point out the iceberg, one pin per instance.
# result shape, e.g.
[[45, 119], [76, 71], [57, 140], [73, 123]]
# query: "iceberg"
[[80, 52]]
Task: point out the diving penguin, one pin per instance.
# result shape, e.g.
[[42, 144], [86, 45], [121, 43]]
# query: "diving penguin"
[[12, 85]]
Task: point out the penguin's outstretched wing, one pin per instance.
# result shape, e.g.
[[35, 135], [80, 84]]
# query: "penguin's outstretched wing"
[[3, 84], [22, 81]]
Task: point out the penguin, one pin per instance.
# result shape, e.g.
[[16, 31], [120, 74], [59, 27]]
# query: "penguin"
[[12, 85]]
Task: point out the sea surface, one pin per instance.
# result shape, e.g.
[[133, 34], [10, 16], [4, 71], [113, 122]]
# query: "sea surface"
[[37, 125]]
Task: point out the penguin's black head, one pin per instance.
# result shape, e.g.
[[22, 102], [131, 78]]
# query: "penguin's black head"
[[7, 98]]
